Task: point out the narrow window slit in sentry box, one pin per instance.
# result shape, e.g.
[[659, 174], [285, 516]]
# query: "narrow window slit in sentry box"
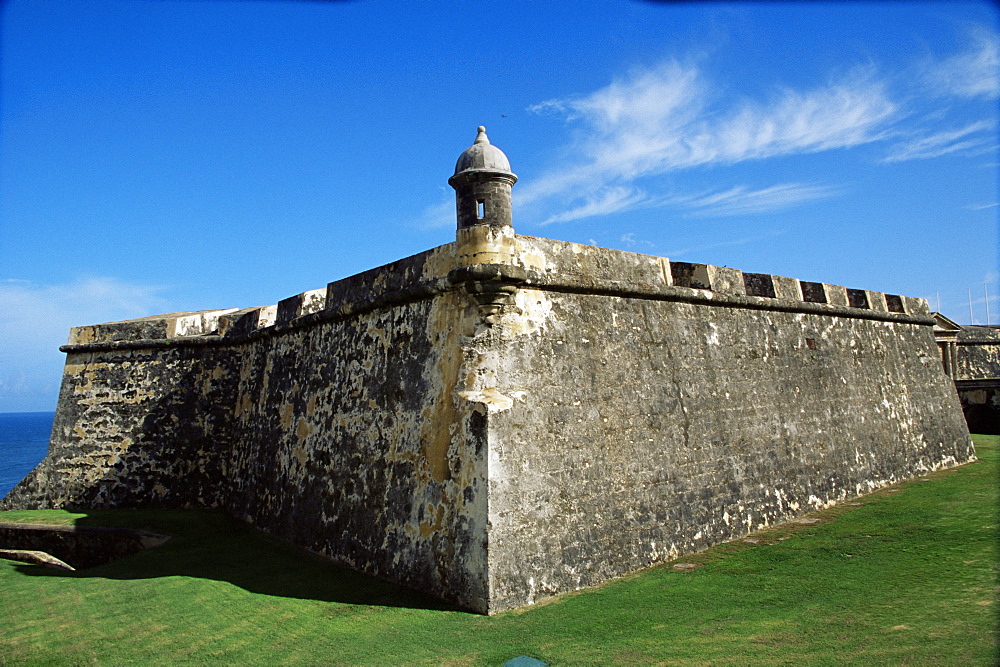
[[481, 209]]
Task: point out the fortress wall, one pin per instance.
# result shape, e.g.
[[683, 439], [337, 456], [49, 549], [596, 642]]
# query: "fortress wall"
[[333, 420], [134, 427], [654, 420], [619, 410], [354, 443]]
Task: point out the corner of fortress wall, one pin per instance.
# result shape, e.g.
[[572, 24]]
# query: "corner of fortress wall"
[[662, 407], [330, 420], [505, 418]]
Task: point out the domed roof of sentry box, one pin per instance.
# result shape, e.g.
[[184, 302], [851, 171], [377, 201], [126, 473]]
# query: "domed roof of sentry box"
[[482, 156]]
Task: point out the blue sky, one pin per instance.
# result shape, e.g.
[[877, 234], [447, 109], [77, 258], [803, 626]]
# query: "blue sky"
[[160, 156]]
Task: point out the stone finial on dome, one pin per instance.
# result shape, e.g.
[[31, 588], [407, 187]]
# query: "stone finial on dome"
[[483, 156]]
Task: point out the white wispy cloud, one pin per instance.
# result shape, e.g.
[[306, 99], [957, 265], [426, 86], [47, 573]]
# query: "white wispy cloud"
[[28, 305], [659, 120], [35, 320], [605, 200], [631, 241], [741, 200], [440, 214], [672, 116], [973, 72], [680, 252], [662, 119], [973, 139]]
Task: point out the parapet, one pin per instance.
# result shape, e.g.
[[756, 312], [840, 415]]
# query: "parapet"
[[585, 266], [531, 263]]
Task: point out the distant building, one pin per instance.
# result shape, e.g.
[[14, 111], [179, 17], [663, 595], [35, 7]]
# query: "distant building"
[[970, 355]]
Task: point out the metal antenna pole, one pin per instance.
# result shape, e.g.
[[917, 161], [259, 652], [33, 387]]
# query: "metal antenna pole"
[[987, 290], [972, 319]]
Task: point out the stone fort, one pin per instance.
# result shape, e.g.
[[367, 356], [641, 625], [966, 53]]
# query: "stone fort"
[[505, 418]]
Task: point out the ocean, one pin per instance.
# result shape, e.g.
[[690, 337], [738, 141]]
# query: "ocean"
[[24, 441]]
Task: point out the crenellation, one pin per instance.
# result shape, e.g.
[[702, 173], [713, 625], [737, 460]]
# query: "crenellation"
[[894, 303], [267, 316], [203, 323], [877, 301], [159, 327], [786, 288], [113, 332], [300, 305], [726, 280], [812, 292], [411, 274], [916, 306], [239, 323], [858, 298], [836, 295]]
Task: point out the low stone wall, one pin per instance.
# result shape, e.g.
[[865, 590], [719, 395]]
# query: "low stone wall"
[[79, 546], [977, 377], [978, 355]]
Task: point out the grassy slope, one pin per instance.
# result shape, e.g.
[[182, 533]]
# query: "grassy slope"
[[909, 575]]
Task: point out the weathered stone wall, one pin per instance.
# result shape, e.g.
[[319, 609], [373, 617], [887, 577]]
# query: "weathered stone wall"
[[130, 424], [362, 450], [978, 353], [977, 377], [334, 422], [505, 418], [651, 420]]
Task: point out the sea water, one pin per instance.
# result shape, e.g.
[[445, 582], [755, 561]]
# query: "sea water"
[[24, 441]]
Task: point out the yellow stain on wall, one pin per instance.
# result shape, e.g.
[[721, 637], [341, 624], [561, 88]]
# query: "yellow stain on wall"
[[303, 429], [285, 414]]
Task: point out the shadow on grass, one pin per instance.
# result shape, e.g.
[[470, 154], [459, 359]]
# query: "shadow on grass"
[[212, 545]]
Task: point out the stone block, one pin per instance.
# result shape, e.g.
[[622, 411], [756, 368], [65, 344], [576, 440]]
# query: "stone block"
[[196, 324], [835, 295], [725, 280], [915, 306], [877, 301], [787, 288], [267, 316], [296, 306]]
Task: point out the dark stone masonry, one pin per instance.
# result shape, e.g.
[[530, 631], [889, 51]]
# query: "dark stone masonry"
[[505, 418]]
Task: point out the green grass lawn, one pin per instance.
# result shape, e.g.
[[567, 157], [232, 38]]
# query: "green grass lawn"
[[907, 575]]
